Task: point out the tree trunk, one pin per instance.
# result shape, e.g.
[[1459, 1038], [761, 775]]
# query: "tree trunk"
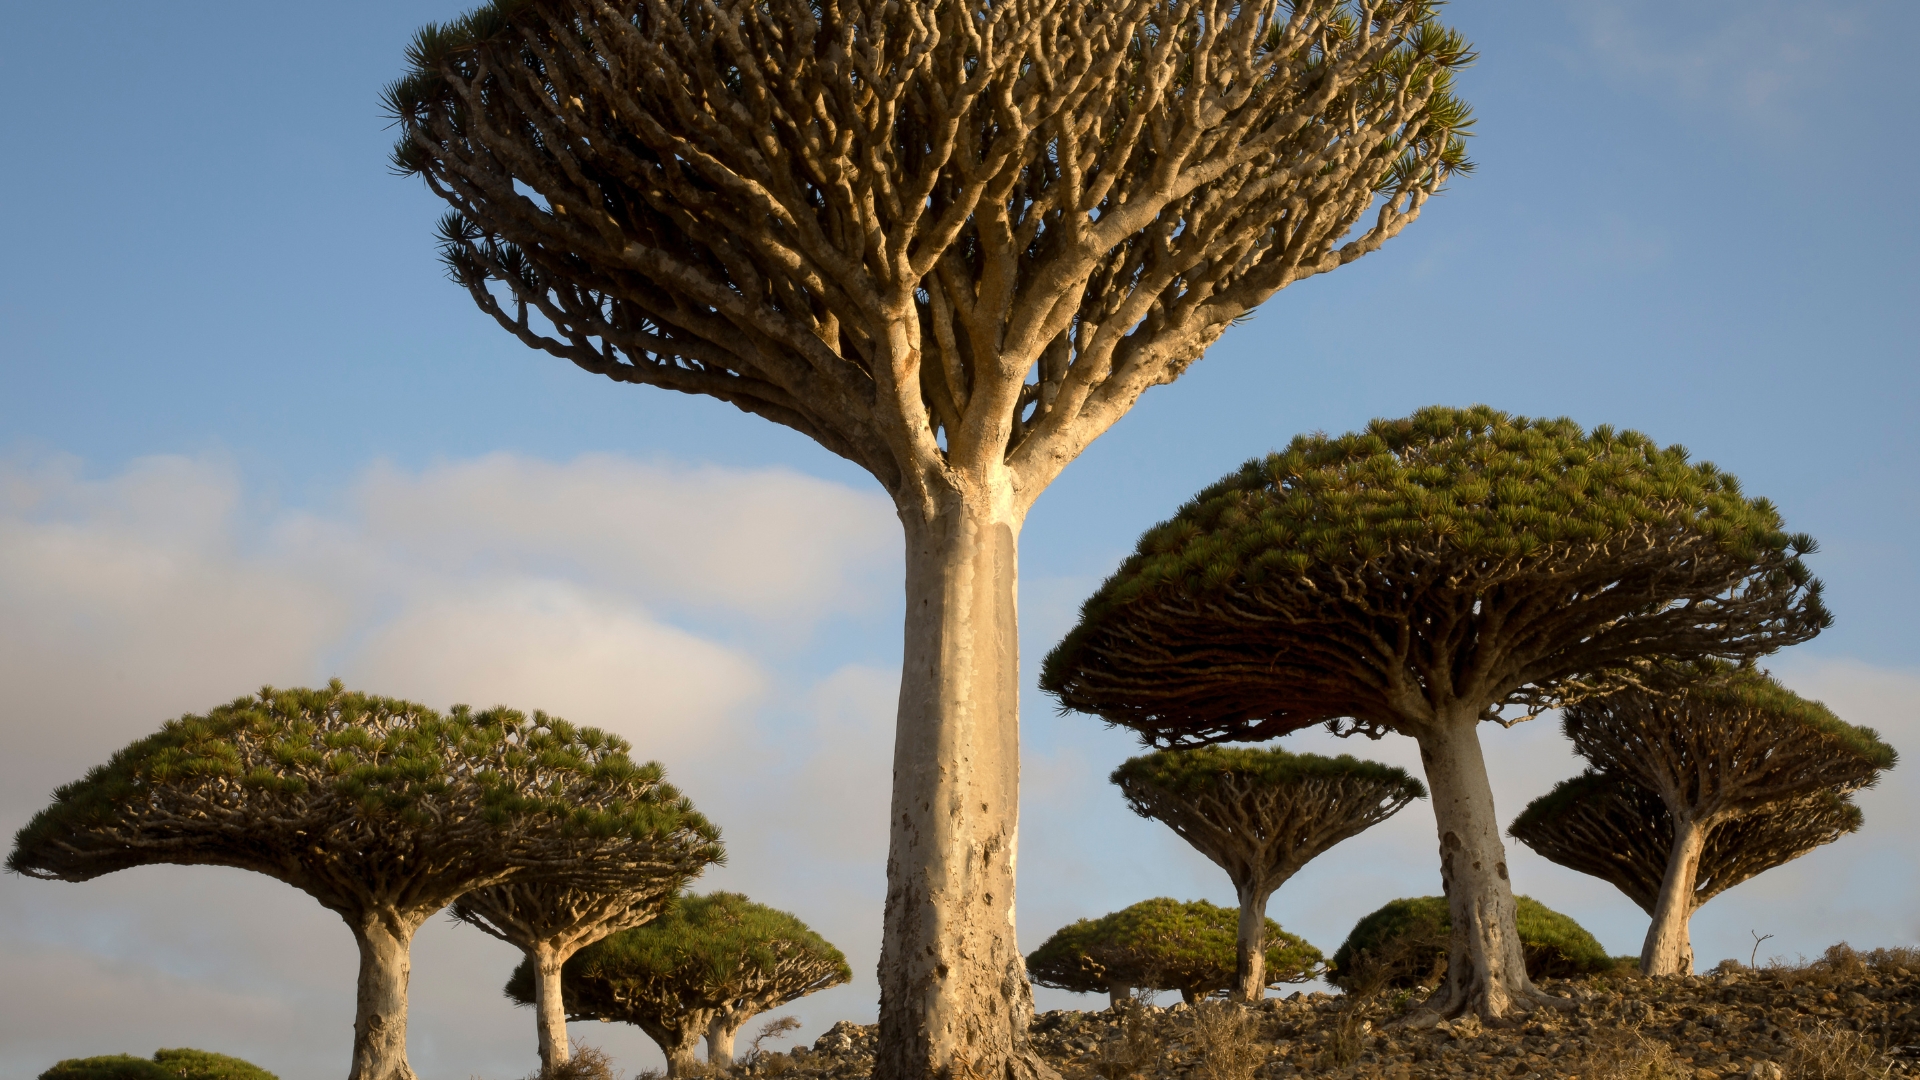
[[720, 1035], [954, 998], [1669, 947], [1118, 994], [1486, 972], [549, 1009], [1250, 961], [677, 1045], [380, 1004]]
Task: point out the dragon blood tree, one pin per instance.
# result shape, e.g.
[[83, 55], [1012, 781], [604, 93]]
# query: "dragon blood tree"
[[951, 241], [702, 969], [1421, 577], [1608, 826], [382, 810], [551, 918], [1164, 944], [1714, 746], [1261, 815], [1403, 943]]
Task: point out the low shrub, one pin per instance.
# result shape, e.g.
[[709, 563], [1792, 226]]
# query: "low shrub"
[[1404, 943], [178, 1064]]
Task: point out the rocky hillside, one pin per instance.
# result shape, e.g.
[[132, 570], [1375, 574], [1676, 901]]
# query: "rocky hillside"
[[1840, 1018]]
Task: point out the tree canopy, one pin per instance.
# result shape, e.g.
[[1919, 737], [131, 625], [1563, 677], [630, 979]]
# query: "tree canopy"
[[705, 956], [382, 810], [1458, 554], [1405, 944], [1621, 833], [1163, 944], [1261, 815]]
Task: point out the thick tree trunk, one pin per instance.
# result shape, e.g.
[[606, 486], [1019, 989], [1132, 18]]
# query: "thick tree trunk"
[[720, 1035], [380, 1006], [549, 1009], [954, 998], [1250, 962], [678, 1045], [1486, 971], [1118, 994], [1669, 947]]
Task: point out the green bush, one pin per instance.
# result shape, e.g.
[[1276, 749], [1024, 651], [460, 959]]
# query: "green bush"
[[1404, 943], [181, 1064]]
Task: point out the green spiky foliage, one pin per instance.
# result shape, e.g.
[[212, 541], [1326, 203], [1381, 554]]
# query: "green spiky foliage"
[[1163, 944], [353, 798], [1720, 740], [382, 810], [1403, 943], [1261, 815], [1457, 555], [181, 1064], [1600, 824], [708, 957]]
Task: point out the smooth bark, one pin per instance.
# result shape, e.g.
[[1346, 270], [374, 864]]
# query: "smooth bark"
[[550, 1011], [954, 997], [1486, 971], [1118, 994], [380, 1006], [1250, 965], [1669, 947], [720, 1036]]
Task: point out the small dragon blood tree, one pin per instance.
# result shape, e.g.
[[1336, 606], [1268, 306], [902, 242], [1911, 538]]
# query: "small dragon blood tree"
[[1403, 943], [703, 968], [1713, 748], [1422, 577], [1261, 815], [1164, 944], [1612, 828], [381, 809], [551, 918]]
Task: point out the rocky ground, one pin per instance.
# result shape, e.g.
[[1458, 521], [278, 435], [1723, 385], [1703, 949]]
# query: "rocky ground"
[[1825, 1021]]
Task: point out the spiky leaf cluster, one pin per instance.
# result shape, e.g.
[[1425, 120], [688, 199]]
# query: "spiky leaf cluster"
[[1061, 203], [1263, 814], [1457, 558], [357, 798], [703, 955], [1163, 944], [1621, 833], [1404, 943]]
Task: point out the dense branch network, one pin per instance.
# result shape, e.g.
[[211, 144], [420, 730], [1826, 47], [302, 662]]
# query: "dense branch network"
[[913, 231], [1622, 834]]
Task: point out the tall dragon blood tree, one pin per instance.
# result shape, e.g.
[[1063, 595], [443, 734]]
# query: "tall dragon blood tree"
[[1261, 815], [1730, 774], [1422, 577], [952, 241], [552, 917], [701, 970], [381, 809]]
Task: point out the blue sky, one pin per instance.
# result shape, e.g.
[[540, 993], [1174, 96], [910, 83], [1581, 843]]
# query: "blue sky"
[[249, 433]]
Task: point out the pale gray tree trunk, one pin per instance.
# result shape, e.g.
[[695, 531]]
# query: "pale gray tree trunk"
[[1486, 971], [380, 1005], [1118, 994], [678, 1045], [550, 1010], [1250, 964], [954, 997], [720, 1035], [1669, 946]]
